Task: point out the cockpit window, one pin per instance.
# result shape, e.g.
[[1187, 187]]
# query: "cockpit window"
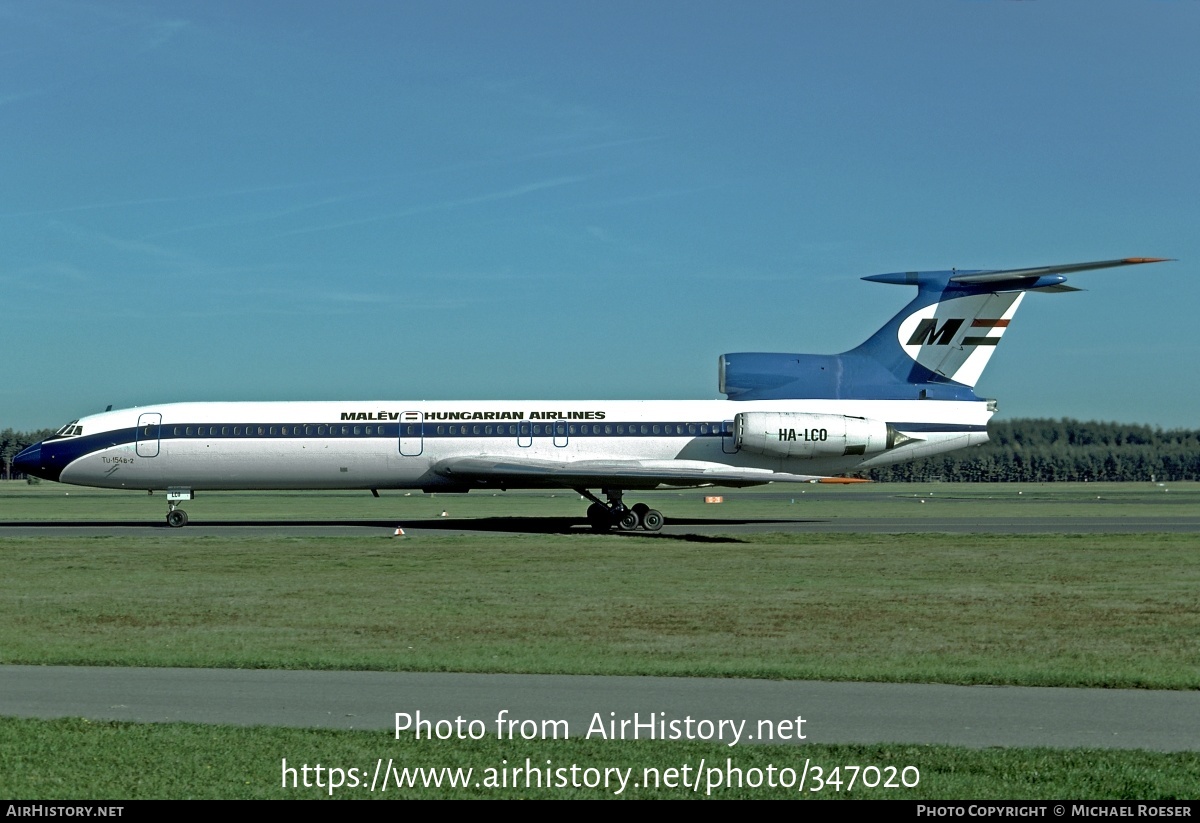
[[72, 429]]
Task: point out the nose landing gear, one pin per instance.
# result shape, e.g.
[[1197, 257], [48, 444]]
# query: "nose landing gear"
[[176, 517], [603, 516]]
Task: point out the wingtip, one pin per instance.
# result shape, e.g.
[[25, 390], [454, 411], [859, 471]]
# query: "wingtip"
[[1149, 260]]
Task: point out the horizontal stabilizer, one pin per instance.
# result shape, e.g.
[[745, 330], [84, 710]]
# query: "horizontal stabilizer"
[[978, 278]]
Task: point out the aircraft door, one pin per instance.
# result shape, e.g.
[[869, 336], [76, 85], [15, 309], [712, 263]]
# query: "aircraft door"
[[524, 434], [728, 440], [560, 433], [412, 433], [149, 428]]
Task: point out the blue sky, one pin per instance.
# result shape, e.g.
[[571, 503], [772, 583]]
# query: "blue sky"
[[450, 200]]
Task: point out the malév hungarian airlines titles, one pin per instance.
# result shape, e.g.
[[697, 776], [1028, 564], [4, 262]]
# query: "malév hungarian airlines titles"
[[907, 392], [478, 415]]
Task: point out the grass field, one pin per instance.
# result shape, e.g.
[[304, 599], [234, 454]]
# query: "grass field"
[[53, 502], [1084, 610], [76, 759], [1061, 610]]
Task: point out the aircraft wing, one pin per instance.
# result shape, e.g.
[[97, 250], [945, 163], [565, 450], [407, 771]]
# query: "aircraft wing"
[[625, 474]]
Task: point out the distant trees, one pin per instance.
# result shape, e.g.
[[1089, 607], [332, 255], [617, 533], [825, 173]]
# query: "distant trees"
[[11, 444], [1036, 450]]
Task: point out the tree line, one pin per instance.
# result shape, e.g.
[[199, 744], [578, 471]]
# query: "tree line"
[[11, 444], [1043, 450], [1025, 450]]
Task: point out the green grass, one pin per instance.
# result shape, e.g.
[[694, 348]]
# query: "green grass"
[[1050, 610], [51, 502], [1060, 610], [76, 759]]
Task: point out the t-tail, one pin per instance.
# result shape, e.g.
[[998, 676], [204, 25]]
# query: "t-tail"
[[935, 349]]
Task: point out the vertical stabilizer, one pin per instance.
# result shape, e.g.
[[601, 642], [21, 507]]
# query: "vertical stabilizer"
[[955, 338], [935, 348]]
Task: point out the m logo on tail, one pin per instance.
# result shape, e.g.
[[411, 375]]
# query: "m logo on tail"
[[955, 338], [928, 334]]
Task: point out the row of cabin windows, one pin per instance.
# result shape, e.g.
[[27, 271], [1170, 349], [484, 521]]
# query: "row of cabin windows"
[[415, 430], [560, 429], [268, 431]]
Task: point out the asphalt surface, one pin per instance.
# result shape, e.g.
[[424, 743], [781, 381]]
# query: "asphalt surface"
[[971, 716], [1182, 523]]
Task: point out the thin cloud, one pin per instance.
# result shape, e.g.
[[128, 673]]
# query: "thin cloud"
[[158, 201], [161, 32], [449, 205]]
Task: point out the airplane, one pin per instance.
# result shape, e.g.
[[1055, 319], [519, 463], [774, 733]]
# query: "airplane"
[[905, 393]]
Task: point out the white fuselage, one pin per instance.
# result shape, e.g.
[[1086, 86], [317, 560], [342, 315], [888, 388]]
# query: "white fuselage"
[[397, 445]]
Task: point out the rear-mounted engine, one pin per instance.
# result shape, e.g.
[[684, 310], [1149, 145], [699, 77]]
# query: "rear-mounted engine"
[[797, 434]]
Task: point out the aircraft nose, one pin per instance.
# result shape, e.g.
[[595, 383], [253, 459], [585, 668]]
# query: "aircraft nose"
[[29, 461]]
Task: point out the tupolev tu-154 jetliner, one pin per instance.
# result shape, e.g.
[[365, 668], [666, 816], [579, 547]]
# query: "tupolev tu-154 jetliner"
[[906, 393]]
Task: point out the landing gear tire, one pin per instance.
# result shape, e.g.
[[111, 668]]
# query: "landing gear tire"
[[652, 520], [603, 516], [177, 518]]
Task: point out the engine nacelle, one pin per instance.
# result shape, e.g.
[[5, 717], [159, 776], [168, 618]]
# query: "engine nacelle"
[[797, 434]]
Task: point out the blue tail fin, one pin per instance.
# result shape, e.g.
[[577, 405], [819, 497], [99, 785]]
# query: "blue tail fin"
[[936, 348]]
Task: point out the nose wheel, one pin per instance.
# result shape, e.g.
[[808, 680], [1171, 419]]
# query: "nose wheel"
[[603, 516], [176, 517]]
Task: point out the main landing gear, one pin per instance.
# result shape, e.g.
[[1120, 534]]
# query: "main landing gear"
[[603, 516], [176, 517]]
